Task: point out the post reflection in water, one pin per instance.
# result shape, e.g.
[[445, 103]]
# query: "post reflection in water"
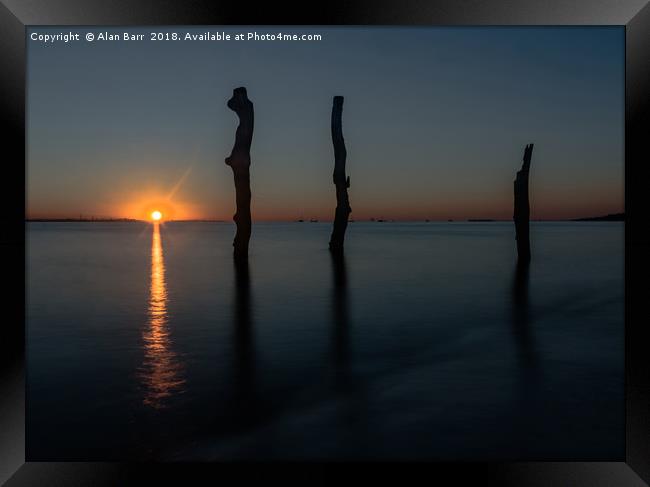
[[356, 432], [528, 361], [340, 320], [245, 397], [521, 318], [161, 375]]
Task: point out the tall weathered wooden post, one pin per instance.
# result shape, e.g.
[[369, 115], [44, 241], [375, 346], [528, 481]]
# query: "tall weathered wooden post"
[[341, 181], [522, 208], [240, 161]]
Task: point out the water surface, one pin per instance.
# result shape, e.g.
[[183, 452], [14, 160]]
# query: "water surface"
[[425, 341]]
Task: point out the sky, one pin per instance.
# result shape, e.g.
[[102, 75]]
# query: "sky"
[[435, 121]]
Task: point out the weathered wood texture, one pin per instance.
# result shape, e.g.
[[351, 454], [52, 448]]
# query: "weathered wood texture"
[[240, 161], [341, 181], [522, 207]]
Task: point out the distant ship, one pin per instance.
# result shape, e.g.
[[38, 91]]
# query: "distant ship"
[[313, 220]]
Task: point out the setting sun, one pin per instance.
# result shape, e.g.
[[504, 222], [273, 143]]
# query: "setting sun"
[[156, 215]]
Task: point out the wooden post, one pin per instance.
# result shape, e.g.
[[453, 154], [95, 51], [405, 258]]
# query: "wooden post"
[[522, 208], [341, 181], [240, 161]]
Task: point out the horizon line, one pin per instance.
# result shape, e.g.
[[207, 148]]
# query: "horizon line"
[[619, 216]]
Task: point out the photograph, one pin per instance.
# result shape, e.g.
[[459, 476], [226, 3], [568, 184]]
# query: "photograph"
[[325, 243]]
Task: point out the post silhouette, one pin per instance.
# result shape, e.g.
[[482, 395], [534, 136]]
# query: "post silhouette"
[[341, 181], [522, 207], [240, 161]]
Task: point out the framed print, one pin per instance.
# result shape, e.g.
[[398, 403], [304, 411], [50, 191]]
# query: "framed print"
[[390, 238]]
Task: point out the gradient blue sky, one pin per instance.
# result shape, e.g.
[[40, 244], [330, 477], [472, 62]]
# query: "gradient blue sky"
[[435, 122]]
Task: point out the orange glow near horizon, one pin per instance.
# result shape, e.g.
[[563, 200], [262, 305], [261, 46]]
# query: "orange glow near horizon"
[[150, 206], [141, 202]]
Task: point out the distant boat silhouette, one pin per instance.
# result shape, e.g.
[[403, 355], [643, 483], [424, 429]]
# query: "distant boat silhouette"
[[313, 220]]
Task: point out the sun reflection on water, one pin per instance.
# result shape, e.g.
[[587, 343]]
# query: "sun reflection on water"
[[161, 370]]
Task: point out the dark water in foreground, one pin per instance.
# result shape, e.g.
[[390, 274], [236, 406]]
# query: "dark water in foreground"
[[424, 343]]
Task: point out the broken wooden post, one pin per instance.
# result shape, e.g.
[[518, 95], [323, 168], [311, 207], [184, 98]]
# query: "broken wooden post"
[[240, 161], [522, 207], [341, 181]]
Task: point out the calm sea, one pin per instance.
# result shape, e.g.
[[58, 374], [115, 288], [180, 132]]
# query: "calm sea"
[[425, 342]]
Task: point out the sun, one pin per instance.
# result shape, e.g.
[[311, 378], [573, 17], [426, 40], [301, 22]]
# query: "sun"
[[156, 215]]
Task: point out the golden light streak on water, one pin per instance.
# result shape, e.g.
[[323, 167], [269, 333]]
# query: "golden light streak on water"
[[162, 374]]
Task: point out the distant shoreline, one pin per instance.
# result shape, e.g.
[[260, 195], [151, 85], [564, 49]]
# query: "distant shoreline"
[[82, 220], [612, 217], [105, 220]]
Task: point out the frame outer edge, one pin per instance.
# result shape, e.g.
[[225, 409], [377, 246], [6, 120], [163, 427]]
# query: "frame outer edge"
[[334, 12], [637, 268], [12, 96], [12, 244]]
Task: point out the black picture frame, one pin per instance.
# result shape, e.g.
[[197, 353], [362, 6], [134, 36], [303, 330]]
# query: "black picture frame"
[[16, 15]]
